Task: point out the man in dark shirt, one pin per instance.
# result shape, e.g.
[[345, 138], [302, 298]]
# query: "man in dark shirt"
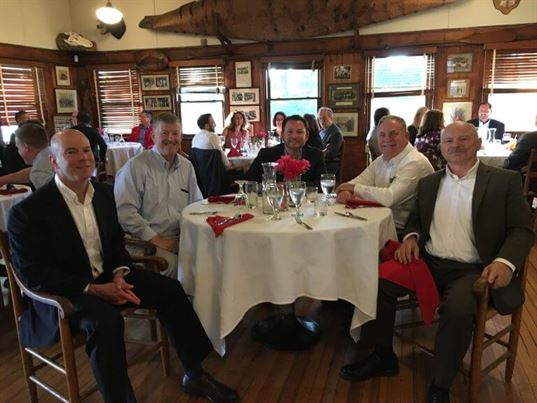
[[97, 143]]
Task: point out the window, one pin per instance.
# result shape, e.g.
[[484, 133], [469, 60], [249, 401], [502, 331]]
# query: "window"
[[293, 89], [400, 83], [21, 88], [511, 85], [118, 99], [201, 90]]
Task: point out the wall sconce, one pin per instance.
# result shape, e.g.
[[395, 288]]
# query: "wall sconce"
[[108, 14]]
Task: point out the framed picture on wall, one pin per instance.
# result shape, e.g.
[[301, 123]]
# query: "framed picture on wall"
[[155, 82], [251, 112], [244, 96], [347, 122], [457, 111], [157, 102], [343, 72], [63, 77], [62, 122], [458, 88], [343, 95], [243, 74], [459, 63], [66, 101]]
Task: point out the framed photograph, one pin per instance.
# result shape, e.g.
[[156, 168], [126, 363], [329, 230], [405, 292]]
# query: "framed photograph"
[[459, 63], [155, 82], [243, 74], [66, 101], [342, 72], [343, 96], [246, 96], [251, 112], [63, 77], [457, 112], [458, 88], [62, 122], [347, 122], [157, 102]]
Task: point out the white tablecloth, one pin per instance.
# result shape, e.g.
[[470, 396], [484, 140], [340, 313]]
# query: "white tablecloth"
[[8, 201], [278, 261], [494, 154], [118, 154], [246, 159]]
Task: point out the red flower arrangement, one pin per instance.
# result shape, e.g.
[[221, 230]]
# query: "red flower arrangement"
[[291, 167]]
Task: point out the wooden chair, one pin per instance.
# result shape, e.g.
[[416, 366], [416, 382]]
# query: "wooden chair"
[[482, 339], [100, 169], [34, 360], [530, 175], [368, 159]]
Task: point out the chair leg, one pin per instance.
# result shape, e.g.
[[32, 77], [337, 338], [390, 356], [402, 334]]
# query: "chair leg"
[[476, 356], [71, 376], [28, 368], [164, 349], [516, 320]]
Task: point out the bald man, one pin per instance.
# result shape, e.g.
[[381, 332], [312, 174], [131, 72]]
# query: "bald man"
[[75, 248], [470, 221]]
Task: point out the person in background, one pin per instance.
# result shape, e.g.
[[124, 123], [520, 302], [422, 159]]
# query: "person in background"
[[74, 119], [12, 161], [520, 156], [483, 120], [314, 138], [154, 187], [206, 138], [236, 129], [416, 123], [143, 133], [277, 121], [332, 139], [371, 138], [391, 179], [97, 143], [428, 138]]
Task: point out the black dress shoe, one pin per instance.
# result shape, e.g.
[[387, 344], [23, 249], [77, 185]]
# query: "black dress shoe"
[[437, 395], [206, 386], [371, 366], [287, 332]]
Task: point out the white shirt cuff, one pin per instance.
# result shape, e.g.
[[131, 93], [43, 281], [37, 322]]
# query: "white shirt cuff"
[[124, 268], [412, 234], [506, 262]]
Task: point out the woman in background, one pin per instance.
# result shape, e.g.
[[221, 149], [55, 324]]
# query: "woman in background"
[[413, 128], [277, 121], [314, 138], [428, 138], [236, 129]]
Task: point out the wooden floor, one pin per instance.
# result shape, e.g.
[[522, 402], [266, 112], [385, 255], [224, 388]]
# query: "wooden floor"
[[263, 375]]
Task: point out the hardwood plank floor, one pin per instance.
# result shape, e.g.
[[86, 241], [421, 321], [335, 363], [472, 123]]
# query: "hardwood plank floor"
[[263, 375]]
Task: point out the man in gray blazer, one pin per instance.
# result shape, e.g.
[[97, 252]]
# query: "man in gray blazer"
[[470, 220]]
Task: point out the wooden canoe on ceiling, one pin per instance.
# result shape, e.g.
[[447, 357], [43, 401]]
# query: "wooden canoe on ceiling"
[[277, 20]]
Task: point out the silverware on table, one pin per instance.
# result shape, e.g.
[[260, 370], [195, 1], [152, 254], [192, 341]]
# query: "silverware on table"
[[350, 215], [228, 219], [299, 221], [203, 212]]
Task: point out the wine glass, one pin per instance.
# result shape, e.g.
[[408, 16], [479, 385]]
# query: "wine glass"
[[241, 197], [275, 193], [297, 191], [328, 183], [234, 142]]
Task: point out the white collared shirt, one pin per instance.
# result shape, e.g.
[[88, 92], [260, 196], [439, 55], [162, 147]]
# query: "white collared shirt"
[[206, 140]]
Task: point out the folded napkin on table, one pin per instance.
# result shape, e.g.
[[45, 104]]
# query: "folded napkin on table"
[[12, 191], [219, 223], [221, 199], [415, 276], [356, 202], [234, 152]]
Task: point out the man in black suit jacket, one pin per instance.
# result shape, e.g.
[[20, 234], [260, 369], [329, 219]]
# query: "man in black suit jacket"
[[470, 221], [521, 154], [332, 139], [484, 119], [97, 143], [75, 249], [294, 136]]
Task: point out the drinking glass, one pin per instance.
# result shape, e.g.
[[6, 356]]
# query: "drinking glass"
[[312, 192], [297, 191], [275, 192], [328, 183], [250, 188], [240, 198]]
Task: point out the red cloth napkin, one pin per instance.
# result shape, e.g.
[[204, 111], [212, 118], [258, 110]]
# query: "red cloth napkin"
[[234, 152], [5, 192], [214, 222], [356, 202], [221, 199], [415, 276]]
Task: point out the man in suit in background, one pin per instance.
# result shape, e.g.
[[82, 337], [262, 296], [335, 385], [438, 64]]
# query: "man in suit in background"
[[483, 121], [521, 154], [12, 161], [294, 137], [143, 133], [76, 249], [470, 221], [332, 139], [97, 143]]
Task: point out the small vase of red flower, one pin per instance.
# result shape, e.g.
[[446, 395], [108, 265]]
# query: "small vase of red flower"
[[291, 169]]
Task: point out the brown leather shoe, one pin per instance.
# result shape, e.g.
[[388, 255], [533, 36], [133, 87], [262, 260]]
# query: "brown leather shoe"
[[208, 387]]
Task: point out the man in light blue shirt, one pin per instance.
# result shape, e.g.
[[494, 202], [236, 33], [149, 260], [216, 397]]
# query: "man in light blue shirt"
[[152, 189]]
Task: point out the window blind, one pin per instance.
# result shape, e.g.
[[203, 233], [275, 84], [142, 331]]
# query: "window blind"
[[118, 99], [513, 70], [201, 78]]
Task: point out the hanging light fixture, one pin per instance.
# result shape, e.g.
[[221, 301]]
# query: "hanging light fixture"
[[108, 14]]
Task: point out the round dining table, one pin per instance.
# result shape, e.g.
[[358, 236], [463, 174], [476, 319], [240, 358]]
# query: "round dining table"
[[9, 200], [260, 261], [493, 154], [118, 153]]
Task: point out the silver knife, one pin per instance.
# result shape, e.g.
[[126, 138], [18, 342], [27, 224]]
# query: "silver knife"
[[299, 221], [203, 212], [350, 215]]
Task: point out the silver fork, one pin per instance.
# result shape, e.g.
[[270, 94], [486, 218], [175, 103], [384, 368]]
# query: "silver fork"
[[299, 221], [228, 219]]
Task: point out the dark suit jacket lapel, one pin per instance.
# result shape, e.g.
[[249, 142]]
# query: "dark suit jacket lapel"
[[100, 207], [429, 200], [481, 181]]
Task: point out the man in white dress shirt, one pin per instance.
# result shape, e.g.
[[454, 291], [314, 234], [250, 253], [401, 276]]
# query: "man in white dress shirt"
[[391, 180], [207, 139]]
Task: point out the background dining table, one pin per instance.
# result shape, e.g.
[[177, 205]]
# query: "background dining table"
[[260, 261], [118, 153], [8, 201], [493, 154]]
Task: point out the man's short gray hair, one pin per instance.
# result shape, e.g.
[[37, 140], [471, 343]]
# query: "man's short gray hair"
[[400, 121], [327, 109], [166, 117]]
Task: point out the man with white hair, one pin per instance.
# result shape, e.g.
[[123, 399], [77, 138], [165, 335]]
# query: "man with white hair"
[[332, 139]]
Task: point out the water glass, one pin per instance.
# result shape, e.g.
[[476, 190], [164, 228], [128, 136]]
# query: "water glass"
[[250, 188], [297, 191], [312, 193], [321, 206]]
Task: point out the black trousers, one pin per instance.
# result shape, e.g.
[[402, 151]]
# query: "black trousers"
[[457, 311], [104, 328]]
